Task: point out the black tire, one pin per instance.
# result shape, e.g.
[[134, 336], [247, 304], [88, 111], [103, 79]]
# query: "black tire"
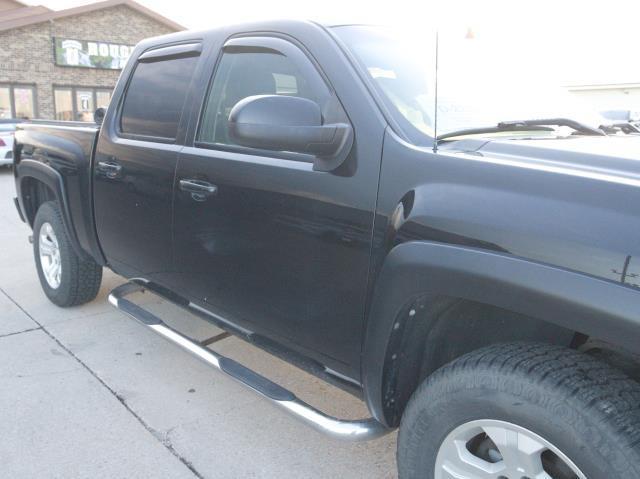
[[584, 407], [79, 278]]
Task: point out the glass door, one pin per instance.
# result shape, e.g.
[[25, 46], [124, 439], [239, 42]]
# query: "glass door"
[[84, 105]]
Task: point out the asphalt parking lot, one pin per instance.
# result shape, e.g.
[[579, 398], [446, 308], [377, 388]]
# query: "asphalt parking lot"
[[86, 392]]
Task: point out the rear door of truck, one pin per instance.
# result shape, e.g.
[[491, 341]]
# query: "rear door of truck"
[[136, 159]]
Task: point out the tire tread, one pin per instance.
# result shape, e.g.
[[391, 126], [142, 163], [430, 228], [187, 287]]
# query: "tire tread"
[[606, 395], [85, 275]]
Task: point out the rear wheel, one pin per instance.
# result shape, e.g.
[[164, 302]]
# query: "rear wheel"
[[66, 279], [522, 411]]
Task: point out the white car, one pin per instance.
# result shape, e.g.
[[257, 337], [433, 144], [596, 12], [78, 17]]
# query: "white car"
[[7, 130]]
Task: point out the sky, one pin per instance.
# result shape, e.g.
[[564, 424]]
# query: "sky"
[[573, 42]]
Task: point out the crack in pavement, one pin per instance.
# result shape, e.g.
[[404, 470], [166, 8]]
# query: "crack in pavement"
[[19, 332], [119, 397]]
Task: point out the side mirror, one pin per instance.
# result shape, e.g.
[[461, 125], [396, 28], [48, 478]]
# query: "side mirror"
[[98, 115], [289, 123]]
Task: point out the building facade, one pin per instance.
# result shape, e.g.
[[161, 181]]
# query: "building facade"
[[64, 64], [609, 96]]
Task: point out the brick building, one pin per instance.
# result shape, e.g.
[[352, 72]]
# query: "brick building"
[[64, 64]]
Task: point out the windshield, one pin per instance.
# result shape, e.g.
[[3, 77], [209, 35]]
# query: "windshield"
[[403, 79], [478, 85]]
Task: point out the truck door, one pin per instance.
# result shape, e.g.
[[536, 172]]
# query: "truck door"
[[136, 158], [273, 245]]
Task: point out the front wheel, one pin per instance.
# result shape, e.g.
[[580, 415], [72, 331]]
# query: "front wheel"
[[66, 278], [522, 411]]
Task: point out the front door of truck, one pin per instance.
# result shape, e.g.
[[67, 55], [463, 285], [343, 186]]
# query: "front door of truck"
[[275, 246], [136, 159]]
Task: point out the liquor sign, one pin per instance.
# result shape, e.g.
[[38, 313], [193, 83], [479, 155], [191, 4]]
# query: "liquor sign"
[[88, 54]]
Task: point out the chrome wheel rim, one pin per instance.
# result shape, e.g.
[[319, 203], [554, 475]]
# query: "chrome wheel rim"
[[490, 449], [49, 251]]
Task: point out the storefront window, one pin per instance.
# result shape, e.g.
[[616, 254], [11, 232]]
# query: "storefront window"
[[64, 104], [103, 97], [5, 102], [24, 104], [17, 101], [79, 103]]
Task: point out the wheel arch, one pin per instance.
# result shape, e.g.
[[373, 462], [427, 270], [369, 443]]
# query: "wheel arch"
[[38, 183], [424, 286]]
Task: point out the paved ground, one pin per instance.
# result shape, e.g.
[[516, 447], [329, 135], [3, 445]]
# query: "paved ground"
[[87, 393]]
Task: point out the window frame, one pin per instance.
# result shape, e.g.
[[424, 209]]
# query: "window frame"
[[268, 42], [12, 99], [156, 54], [73, 89]]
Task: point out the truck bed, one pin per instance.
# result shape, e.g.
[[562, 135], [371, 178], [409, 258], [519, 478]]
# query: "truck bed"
[[61, 150]]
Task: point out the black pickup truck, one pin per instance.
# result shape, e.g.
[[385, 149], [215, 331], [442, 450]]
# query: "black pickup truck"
[[478, 288]]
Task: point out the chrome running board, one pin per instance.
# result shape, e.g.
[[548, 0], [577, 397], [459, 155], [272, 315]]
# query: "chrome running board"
[[349, 430]]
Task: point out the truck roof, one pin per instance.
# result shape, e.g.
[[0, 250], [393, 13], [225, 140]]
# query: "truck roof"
[[261, 26]]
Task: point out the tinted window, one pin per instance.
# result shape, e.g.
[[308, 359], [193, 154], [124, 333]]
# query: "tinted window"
[[240, 75], [155, 97]]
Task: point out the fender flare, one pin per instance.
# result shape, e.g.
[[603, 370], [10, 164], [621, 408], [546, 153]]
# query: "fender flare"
[[566, 298], [49, 176]]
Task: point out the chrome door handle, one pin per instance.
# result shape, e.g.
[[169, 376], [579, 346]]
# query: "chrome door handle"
[[110, 168], [199, 189]]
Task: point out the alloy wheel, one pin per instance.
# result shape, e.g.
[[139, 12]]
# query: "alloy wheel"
[[50, 260], [491, 449]]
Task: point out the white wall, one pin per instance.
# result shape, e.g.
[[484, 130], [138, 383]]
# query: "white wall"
[[610, 98]]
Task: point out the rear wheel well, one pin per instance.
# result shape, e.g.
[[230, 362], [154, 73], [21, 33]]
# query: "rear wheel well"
[[432, 331], [35, 193]]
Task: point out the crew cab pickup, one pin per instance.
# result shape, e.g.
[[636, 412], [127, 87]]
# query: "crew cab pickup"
[[477, 287]]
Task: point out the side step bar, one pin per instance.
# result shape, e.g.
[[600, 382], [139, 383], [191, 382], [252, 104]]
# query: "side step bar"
[[349, 430]]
